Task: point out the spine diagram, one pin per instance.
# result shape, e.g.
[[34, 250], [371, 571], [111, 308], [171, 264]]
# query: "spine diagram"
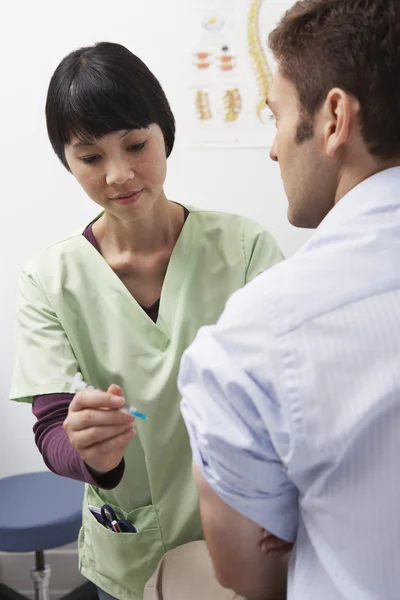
[[262, 70], [233, 105], [203, 106]]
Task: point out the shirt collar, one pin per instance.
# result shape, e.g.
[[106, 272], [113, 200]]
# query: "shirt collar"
[[375, 195]]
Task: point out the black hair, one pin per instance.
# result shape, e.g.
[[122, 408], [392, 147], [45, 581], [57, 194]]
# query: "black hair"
[[102, 89]]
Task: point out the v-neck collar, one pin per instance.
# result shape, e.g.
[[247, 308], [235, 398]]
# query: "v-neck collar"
[[177, 268]]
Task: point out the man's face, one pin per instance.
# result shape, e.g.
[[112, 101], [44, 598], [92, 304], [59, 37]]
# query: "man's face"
[[309, 176]]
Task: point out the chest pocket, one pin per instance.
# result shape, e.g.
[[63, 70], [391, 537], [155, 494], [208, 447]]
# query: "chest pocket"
[[126, 560]]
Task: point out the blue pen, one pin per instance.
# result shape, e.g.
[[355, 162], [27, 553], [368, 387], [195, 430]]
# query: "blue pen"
[[77, 384]]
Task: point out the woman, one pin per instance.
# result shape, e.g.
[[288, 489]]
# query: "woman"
[[119, 302]]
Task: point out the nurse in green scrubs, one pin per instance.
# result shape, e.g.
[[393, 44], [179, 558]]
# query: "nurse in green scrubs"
[[119, 301]]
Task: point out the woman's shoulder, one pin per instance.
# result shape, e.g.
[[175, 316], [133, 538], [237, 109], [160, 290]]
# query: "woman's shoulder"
[[212, 218], [54, 253], [238, 234]]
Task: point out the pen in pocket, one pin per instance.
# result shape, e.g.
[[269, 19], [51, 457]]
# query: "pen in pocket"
[[107, 517]]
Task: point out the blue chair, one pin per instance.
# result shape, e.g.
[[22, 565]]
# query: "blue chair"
[[39, 511]]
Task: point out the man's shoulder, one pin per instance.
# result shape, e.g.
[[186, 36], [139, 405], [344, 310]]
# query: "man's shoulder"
[[306, 286], [328, 275]]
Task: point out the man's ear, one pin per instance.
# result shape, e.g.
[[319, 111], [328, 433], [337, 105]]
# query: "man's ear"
[[339, 112], [273, 546]]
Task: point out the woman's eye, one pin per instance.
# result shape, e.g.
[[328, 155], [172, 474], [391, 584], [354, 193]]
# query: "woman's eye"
[[136, 147], [90, 159]]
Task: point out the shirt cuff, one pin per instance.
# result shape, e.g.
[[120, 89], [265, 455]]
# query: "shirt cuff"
[[105, 481]]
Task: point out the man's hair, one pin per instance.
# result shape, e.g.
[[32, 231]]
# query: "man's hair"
[[350, 44], [102, 89]]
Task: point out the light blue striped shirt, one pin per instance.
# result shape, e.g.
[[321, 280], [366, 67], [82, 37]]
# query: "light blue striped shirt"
[[292, 401]]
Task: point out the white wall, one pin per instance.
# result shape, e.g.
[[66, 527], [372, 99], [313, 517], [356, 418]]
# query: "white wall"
[[40, 201]]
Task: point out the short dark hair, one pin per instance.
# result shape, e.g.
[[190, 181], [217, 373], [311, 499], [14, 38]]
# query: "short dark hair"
[[350, 44], [102, 89]]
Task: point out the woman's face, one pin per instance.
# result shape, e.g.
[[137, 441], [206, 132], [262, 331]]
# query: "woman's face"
[[124, 172]]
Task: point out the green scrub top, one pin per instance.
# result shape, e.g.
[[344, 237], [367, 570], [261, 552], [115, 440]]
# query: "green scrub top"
[[75, 314]]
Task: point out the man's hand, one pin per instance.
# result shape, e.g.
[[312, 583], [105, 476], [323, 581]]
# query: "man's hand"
[[273, 546]]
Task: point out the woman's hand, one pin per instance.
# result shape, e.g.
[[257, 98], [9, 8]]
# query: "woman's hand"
[[97, 429]]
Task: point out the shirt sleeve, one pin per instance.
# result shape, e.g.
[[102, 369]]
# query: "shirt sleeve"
[[237, 430], [53, 444], [43, 353], [261, 250]]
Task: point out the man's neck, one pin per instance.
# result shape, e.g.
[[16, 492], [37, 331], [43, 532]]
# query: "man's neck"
[[354, 174]]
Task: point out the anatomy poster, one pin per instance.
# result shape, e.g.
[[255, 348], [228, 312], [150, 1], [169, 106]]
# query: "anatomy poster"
[[229, 72]]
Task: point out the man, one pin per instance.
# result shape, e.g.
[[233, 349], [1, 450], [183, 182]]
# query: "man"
[[292, 401]]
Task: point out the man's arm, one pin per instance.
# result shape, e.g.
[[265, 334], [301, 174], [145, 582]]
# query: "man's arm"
[[245, 557], [237, 414]]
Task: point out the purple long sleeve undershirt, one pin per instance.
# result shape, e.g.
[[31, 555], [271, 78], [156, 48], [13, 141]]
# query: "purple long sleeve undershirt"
[[51, 410]]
